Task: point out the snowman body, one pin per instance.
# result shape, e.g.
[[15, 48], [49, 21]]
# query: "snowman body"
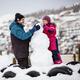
[[40, 56]]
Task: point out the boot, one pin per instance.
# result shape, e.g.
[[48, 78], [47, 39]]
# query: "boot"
[[23, 63], [57, 58]]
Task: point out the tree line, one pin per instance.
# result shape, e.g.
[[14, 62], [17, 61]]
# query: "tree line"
[[41, 13]]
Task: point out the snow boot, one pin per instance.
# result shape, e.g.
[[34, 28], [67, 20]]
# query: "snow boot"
[[57, 58], [23, 62]]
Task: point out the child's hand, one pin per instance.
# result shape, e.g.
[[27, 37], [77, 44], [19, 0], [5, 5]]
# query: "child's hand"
[[50, 31]]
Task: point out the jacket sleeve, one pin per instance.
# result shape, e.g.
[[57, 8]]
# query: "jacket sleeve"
[[21, 34], [52, 29]]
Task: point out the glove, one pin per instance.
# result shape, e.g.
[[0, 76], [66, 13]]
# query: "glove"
[[37, 27], [50, 31]]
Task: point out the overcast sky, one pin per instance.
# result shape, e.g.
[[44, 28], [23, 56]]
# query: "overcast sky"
[[28, 6]]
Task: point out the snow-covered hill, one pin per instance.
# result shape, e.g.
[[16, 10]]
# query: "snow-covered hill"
[[68, 27]]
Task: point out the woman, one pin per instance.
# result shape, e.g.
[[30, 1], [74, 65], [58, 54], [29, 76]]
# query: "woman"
[[50, 31]]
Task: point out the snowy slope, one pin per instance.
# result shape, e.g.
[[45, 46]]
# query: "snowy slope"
[[68, 24]]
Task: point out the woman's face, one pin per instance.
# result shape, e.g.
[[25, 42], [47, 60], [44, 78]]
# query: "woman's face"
[[45, 22]]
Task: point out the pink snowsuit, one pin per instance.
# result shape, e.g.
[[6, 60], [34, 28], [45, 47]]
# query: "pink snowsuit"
[[51, 36], [50, 31]]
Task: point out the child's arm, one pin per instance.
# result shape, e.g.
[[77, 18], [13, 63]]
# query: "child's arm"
[[52, 29]]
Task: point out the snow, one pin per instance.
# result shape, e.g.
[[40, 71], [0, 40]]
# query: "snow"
[[41, 57], [21, 73], [6, 60], [6, 18]]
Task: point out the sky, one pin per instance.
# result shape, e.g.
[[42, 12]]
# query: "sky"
[[29, 6]]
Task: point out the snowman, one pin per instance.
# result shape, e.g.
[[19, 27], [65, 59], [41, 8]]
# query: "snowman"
[[40, 56]]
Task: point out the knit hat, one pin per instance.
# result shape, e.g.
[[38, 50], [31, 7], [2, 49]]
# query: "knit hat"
[[47, 18], [18, 16]]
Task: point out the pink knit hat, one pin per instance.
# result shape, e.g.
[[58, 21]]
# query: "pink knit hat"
[[47, 18]]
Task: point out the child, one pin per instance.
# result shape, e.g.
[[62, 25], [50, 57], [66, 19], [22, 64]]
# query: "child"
[[50, 31]]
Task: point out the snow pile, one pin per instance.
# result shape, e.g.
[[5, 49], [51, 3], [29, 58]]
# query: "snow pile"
[[6, 60], [22, 74]]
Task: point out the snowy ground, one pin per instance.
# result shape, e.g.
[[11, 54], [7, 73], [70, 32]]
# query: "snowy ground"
[[21, 74], [43, 71]]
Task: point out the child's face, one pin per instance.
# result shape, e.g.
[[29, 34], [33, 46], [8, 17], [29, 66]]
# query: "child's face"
[[45, 22]]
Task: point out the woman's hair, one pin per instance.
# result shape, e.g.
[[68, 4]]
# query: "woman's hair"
[[18, 16]]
